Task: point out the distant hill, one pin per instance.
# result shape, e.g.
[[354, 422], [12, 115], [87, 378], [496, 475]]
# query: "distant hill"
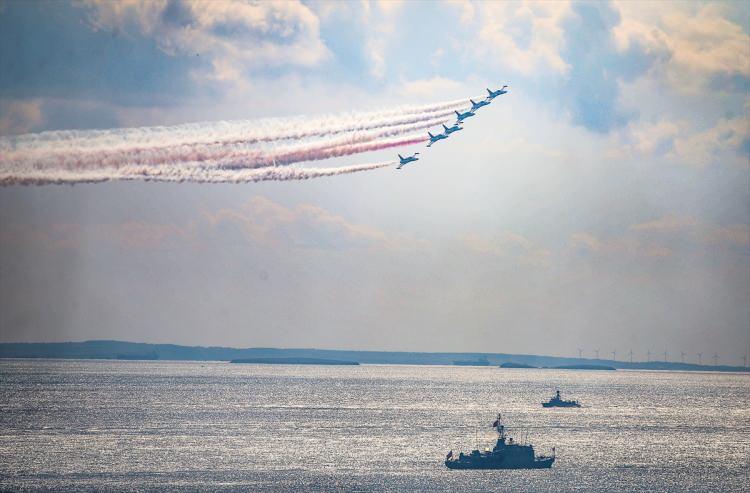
[[584, 367], [294, 361], [137, 350], [513, 364], [472, 362]]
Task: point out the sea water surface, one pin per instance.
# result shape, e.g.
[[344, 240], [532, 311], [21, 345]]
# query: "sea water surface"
[[151, 425]]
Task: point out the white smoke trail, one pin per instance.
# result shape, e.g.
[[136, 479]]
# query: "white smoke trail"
[[265, 174], [226, 149], [240, 131], [192, 175], [222, 155], [236, 166]]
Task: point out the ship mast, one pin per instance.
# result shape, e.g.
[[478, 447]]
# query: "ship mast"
[[500, 428]]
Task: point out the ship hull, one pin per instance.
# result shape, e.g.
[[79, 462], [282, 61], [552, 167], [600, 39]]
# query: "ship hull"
[[540, 463]]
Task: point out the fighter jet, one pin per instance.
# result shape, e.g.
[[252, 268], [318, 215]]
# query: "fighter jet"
[[454, 128], [463, 116], [435, 138], [476, 106], [406, 160], [494, 94]]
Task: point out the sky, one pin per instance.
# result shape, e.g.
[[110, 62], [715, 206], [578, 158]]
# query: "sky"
[[603, 203]]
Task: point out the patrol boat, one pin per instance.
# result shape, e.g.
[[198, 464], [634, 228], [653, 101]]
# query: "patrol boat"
[[505, 455], [557, 401]]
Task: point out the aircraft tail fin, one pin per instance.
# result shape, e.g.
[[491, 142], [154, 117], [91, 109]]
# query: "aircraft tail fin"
[[446, 128], [472, 101], [400, 157], [489, 92], [428, 133]]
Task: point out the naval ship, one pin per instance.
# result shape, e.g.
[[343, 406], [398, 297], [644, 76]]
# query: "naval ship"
[[505, 455], [557, 401]]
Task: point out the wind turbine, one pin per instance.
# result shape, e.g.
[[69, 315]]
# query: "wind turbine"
[[700, 356], [597, 353], [648, 356], [665, 355], [580, 353], [716, 359], [631, 355], [614, 355], [682, 357]]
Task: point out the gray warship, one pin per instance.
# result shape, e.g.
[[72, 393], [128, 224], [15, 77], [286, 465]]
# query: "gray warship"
[[557, 401], [505, 455]]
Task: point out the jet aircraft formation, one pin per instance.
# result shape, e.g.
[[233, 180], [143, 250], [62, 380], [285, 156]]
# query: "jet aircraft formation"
[[460, 117]]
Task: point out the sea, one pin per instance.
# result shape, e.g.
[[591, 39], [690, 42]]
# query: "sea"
[[99, 425]]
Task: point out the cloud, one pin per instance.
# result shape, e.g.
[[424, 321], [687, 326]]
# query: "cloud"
[[509, 245], [654, 137], [728, 141], [365, 28], [259, 221], [236, 36], [435, 87], [580, 54], [390, 7], [19, 117], [137, 235], [129, 235], [567, 53], [702, 47], [586, 244], [381, 27], [729, 136], [687, 229], [525, 37], [664, 237], [375, 49], [14, 235], [732, 236], [465, 7], [591, 87], [668, 223], [306, 226]]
